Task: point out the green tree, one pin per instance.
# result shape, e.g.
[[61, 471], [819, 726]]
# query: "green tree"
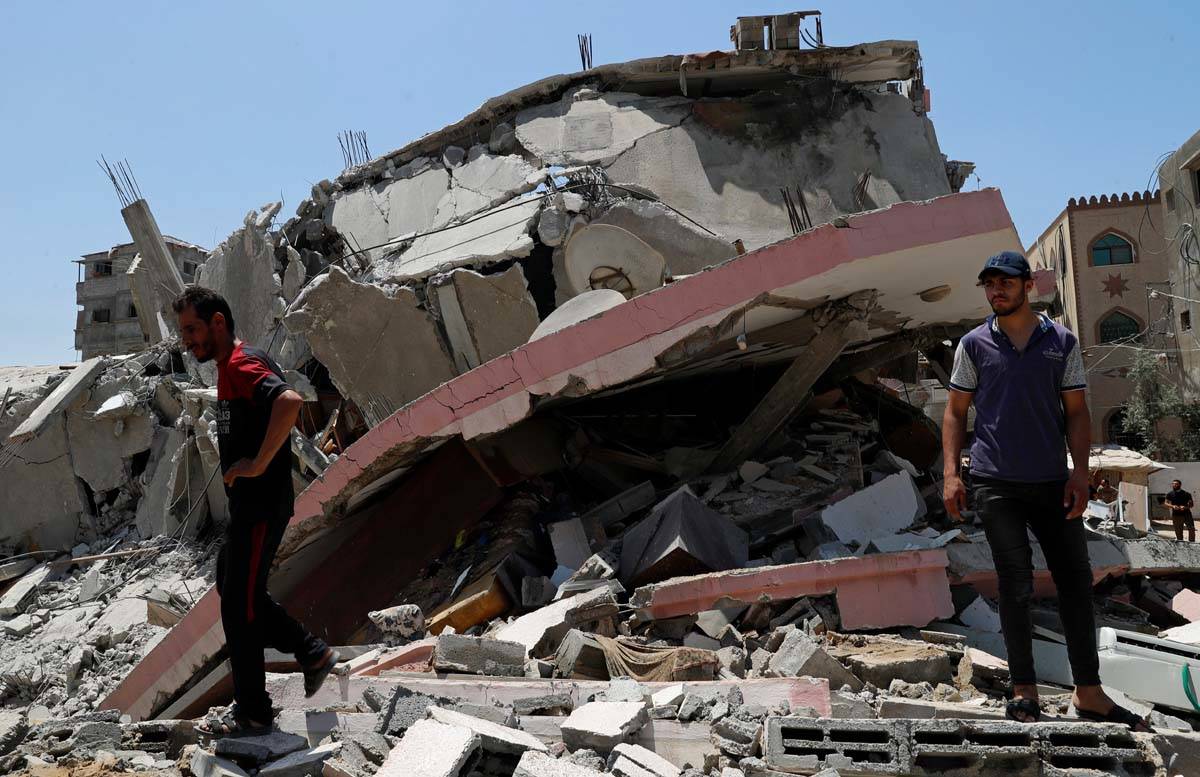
[[1154, 399]]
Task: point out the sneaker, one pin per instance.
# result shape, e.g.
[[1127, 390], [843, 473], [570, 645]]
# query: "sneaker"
[[315, 677]]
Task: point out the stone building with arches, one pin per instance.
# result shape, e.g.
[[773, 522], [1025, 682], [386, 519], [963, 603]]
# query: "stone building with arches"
[[1107, 258]]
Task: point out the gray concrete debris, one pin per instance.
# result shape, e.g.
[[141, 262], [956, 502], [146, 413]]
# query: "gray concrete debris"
[[347, 324], [485, 316], [602, 725], [261, 749], [681, 536], [242, 269], [687, 248], [496, 235], [303, 763], [372, 215], [800, 656], [21, 593], [493, 737], [883, 508], [432, 749], [478, 655], [636, 761], [535, 764], [205, 764], [737, 737]]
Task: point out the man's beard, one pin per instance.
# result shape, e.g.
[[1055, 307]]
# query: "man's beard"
[[1017, 304], [208, 352]]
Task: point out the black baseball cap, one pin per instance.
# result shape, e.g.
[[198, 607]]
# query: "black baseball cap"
[[1007, 262]]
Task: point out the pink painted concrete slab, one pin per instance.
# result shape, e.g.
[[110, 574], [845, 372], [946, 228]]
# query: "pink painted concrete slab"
[[909, 588], [615, 347]]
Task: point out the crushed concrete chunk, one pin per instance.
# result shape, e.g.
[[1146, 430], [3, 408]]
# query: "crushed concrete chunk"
[[432, 749], [493, 737], [884, 508], [20, 594], [602, 725], [302, 763], [535, 764], [636, 761], [800, 656]]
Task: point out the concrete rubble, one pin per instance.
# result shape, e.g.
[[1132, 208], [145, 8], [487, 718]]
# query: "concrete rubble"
[[585, 485]]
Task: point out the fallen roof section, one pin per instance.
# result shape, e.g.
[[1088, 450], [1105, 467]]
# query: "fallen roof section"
[[687, 325], [717, 71]]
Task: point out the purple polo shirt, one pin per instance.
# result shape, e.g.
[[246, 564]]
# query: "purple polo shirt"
[[1020, 425]]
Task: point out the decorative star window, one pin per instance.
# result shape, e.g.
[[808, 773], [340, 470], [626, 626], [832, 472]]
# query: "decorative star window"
[[1116, 286]]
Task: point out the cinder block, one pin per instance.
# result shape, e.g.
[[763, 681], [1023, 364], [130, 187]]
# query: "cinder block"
[[1003, 747], [806, 745], [478, 655], [1099, 746], [737, 737]]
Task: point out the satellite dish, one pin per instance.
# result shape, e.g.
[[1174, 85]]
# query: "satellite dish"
[[603, 256], [576, 309]]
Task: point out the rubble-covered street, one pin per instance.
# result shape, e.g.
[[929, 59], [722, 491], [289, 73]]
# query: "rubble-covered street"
[[619, 455]]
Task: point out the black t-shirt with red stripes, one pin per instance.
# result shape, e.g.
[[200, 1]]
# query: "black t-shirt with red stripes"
[[247, 384]]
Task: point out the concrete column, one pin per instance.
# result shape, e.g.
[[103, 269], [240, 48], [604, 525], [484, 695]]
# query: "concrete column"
[[163, 282]]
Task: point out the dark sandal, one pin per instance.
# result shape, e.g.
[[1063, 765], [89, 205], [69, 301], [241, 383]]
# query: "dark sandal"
[[1117, 714], [315, 677], [231, 723], [1029, 708]]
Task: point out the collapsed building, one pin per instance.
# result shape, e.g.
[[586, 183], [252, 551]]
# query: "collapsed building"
[[593, 405]]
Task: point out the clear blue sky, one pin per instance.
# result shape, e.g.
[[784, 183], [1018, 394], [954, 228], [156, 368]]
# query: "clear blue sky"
[[223, 106]]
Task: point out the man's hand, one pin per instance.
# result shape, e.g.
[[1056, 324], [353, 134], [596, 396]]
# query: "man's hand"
[[954, 496], [1075, 494], [245, 468]]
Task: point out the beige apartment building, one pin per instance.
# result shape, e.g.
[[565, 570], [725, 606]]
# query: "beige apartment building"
[[1108, 255], [107, 322], [1179, 176]]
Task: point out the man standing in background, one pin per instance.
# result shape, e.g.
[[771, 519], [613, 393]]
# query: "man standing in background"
[[1179, 502]]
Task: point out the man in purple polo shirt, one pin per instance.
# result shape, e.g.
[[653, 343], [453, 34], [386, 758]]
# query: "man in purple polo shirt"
[[1025, 375]]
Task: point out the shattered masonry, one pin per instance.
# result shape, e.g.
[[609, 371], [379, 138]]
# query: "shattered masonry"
[[603, 467]]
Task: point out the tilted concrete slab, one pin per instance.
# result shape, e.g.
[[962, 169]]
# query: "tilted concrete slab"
[[873, 592], [644, 337], [60, 399]]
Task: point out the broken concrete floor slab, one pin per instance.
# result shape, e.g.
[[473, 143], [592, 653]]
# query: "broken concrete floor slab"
[[880, 509], [351, 326], [880, 591], [485, 315], [493, 236]]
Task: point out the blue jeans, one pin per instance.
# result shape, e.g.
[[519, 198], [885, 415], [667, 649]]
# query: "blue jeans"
[[1007, 510]]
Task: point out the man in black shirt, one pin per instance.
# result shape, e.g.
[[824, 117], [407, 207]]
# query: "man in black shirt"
[[256, 411], [1179, 502]]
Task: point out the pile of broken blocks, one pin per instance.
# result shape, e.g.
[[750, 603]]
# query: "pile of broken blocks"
[[799, 615]]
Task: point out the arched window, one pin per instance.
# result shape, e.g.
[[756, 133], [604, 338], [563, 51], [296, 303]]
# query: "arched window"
[[1118, 326], [1115, 431], [1111, 249]]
